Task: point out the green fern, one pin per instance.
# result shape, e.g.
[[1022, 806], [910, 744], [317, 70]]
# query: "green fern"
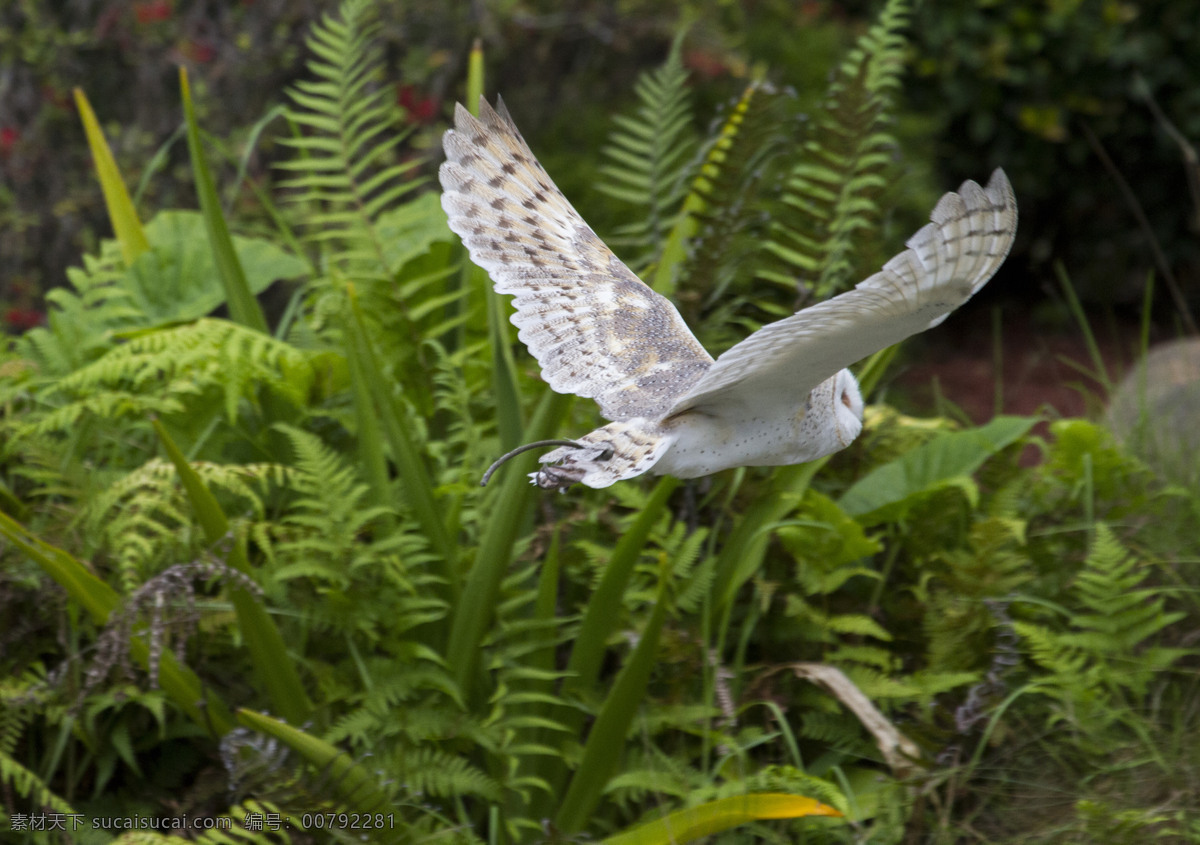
[[21, 700], [347, 173], [27, 785], [334, 551], [82, 322], [163, 372], [830, 194], [329, 517], [732, 201], [649, 153], [145, 521], [353, 191], [1104, 659]]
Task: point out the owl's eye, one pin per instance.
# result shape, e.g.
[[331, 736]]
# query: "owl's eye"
[[846, 400]]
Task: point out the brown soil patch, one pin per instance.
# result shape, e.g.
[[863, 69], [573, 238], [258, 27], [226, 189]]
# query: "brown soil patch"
[[1033, 367]]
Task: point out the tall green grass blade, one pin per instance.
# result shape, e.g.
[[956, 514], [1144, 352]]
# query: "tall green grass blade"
[[606, 740], [1100, 372], [603, 610], [504, 367], [416, 480], [273, 666], [500, 338], [10, 504], [371, 457], [353, 784], [872, 371], [475, 76], [687, 224], [472, 310], [745, 549], [508, 510], [601, 617], [692, 823], [243, 307], [96, 597], [201, 705], [542, 710], [121, 213]]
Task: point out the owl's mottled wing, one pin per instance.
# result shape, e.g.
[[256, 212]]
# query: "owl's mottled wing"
[[595, 328], [946, 262]]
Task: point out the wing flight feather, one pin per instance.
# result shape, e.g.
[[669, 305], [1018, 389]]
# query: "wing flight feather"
[[595, 329], [947, 261]]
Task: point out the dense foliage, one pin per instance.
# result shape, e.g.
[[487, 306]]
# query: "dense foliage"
[[1077, 97], [248, 568]]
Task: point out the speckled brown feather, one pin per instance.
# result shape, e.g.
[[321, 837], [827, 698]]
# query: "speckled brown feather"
[[609, 454], [595, 328]]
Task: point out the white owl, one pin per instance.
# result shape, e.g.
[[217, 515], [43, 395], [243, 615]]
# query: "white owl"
[[781, 396]]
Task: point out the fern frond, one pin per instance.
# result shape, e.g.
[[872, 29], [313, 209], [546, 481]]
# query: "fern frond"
[[347, 172], [731, 203], [649, 153], [145, 519], [830, 195], [1108, 652], [838, 729], [328, 518], [26, 783], [163, 371], [82, 323], [393, 708], [430, 770]]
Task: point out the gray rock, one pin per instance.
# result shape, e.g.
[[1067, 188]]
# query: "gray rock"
[[1156, 410]]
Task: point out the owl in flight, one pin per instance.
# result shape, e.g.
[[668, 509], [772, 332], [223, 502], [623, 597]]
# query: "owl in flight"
[[781, 396]]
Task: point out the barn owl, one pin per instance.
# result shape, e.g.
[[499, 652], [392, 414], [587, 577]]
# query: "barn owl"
[[781, 396]]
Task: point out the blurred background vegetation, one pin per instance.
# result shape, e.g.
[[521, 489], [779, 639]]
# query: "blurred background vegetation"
[[300, 489], [1049, 90]]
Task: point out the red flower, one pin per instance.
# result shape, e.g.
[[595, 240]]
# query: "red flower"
[[152, 11], [198, 51], [706, 64], [418, 109], [22, 319], [8, 140]]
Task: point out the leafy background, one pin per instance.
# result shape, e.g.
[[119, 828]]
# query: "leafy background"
[[248, 569]]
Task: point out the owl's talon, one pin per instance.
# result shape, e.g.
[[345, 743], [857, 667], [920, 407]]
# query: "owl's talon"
[[557, 478], [537, 444]]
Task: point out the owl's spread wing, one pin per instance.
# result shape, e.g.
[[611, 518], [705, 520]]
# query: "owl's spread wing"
[[595, 328], [946, 262]]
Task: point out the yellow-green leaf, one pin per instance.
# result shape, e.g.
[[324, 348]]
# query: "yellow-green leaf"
[[691, 823], [121, 213]]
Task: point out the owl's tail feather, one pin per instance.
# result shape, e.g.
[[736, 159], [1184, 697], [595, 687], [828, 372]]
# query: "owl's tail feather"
[[605, 456]]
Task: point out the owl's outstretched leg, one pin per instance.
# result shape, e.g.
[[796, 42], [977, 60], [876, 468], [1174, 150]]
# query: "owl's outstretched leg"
[[572, 466], [602, 457]]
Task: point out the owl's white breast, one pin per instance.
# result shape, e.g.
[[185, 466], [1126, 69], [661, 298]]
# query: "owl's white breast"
[[775, 434]]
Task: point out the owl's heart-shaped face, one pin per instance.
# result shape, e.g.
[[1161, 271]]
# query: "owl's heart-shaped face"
[[847, 407]]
